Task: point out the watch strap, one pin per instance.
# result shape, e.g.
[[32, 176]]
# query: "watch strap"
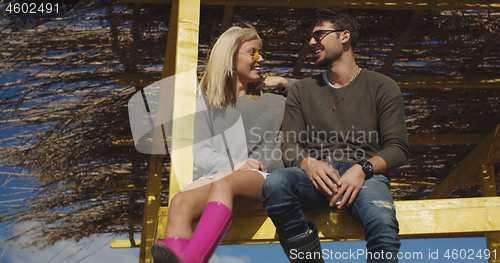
[[367, 168]]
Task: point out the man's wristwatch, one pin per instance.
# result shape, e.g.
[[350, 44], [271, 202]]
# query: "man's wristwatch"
[[367, 168]]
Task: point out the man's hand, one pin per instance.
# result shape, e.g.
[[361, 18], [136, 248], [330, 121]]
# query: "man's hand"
[[274, 81], [350, 184], [250, 164], [323, 176]]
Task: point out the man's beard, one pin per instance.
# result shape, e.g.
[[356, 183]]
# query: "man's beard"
[[324, 63]]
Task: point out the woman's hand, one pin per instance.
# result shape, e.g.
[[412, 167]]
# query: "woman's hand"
[[250, 164], [273, 81]]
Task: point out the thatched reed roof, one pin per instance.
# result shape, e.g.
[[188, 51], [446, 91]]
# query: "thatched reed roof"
[[58, 87]]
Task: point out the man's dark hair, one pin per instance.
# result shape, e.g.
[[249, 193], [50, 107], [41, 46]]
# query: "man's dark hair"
[[340, 20]]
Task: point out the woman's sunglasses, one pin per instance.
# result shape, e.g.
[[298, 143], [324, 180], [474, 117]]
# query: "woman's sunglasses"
[[255, 54]]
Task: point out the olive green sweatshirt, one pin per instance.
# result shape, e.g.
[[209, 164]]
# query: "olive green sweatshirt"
[[368, 121]]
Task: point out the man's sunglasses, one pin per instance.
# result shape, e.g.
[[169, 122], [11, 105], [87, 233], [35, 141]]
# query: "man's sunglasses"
[[255, 53], [320, 34]]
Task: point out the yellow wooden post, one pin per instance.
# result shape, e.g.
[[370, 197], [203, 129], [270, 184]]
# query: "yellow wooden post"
[[151, 206], [181, 60], [493, 244], [186, 63], [488, 184], [489, 188], [466, 173]]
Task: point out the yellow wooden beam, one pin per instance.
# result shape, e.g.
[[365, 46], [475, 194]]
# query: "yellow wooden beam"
[[130, 187], [125, 218], [467, 172], [138, 186], [493, 244], [397, 182], [372, 4], [404, 82], [427, 219], [489, 188], [136, 79], [420, 139], [429, 138], [151, 207], [125, 243], [481, 82], [417, 219], [488, 183], [123, 140]]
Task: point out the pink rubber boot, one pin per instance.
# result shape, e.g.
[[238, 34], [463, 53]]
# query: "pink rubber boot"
[[168, 249], [208, 234]]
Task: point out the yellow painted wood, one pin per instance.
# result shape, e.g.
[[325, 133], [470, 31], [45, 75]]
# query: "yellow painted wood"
[[136, 79], [467, 172], [126, 218], [426, 139], [404, 82], [447, 82], [181, 59], [417, 219], [409, 181], [488, 184], [186, 80], [493, 243], [138, 186], [372, 4], [420, 139], [123, 140], [151, 207], [489, 188], [124, 243], [448, 217]]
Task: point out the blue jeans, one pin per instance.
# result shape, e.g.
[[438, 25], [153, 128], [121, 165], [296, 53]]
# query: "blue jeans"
[[289, 192]]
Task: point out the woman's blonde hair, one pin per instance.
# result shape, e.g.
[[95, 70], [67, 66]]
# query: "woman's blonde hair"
[[216, 80]]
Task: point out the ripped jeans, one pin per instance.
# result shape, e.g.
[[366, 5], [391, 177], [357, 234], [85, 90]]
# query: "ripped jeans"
[[289, 192]]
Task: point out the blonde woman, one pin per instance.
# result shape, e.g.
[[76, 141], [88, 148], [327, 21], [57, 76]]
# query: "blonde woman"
[[242, 127]]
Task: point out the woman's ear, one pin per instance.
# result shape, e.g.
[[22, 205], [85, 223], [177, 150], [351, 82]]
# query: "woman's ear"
[[234, 64], [233, 69]]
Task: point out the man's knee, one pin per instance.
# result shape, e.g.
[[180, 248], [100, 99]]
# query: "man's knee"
[[383, 218], [275, 183]]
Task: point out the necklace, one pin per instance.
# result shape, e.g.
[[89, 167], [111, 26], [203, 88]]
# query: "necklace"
[[356, 72]]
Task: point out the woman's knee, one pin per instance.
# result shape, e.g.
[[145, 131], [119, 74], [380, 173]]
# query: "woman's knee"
[[223, 181], [181, 201]]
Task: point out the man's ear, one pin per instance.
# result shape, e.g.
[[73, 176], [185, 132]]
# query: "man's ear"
[[345, 36]]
